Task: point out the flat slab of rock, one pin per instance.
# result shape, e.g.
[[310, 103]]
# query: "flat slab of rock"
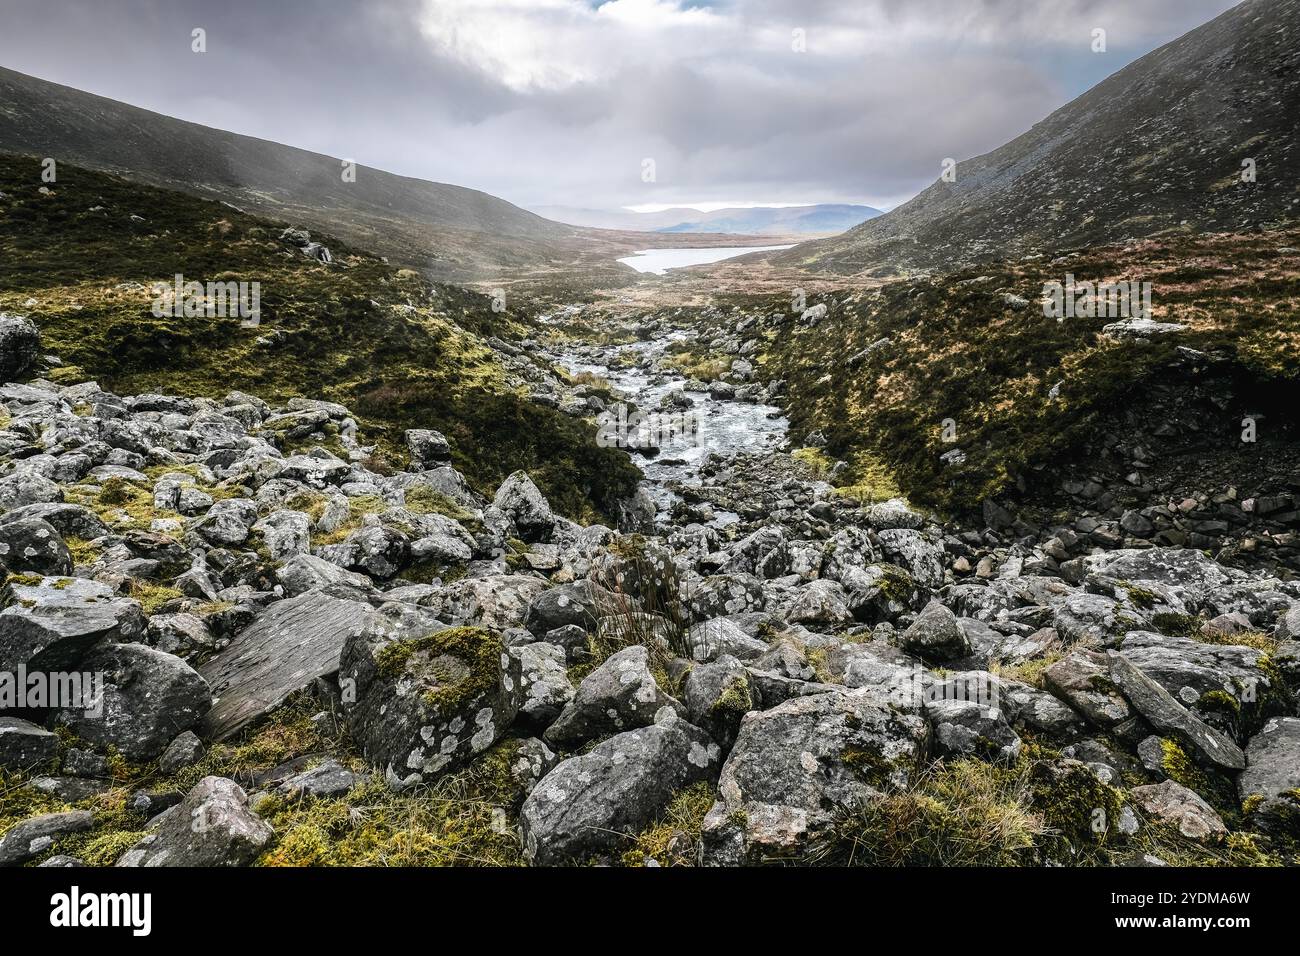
[[51, 624], [292, 643], [1169, 717]]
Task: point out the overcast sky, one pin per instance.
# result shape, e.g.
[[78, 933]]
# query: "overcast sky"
[[560, 101]]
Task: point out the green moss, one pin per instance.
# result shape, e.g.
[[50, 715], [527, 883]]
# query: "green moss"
[[737, 699], [423, 500], [674, 838], [1215, 788], [461, 662], [152, 596], [1139, 596], [1176, 625]]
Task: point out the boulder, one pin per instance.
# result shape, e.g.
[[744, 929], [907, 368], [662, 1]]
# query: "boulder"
[[935, 637], [618, 695], [428, 448], [1174, 804], [718, 695], [31, 545], [521, 501], [212, 826], [1171, 718], [25, 746], [20, 346], [425, 697], [544, 689], [147, 698], [591, 804], [50, 624], [792, 767], [29, 839]]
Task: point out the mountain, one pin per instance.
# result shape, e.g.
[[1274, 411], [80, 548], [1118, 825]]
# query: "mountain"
[[448, 232], [822, 218], [1157, 148]]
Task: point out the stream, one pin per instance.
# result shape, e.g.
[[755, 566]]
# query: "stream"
[[686, 436]]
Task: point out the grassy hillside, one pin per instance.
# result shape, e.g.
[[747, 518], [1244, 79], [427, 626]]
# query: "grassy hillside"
[[1022, 389], [397, 350]]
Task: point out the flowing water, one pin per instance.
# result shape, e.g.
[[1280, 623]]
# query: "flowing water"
[[722, 426]]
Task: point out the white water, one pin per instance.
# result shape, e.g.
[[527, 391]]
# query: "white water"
[[659, 261]]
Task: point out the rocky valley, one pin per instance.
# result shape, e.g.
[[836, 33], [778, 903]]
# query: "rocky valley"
[[849, 555]]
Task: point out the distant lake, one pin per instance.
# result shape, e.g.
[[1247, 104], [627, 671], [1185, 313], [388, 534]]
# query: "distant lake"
[[660, 260]]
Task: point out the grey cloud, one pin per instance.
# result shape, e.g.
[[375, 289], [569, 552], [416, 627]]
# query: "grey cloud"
[[886, 90]]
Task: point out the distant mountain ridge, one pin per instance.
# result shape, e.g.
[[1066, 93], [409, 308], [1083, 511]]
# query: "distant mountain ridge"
[[822, 218], [1157, 148]]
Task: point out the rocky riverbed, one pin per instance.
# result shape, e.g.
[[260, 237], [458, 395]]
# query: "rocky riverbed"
[[318, 657]]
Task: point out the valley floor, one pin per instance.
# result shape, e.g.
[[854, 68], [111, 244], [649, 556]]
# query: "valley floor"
[[333, 662]]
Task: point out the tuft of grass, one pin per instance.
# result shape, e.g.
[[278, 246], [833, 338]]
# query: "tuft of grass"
[[965, 813]]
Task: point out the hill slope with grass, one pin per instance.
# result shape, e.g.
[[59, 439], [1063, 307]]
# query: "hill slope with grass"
[[446, 231], [81, 260], [882, 371], [1154, 150]]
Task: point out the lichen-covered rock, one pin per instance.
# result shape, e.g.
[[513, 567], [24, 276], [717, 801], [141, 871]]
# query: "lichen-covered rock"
[[919, 556], [1188, 571], [718, 695], [1270, 784], [212, 826], [618, 695], [709, 640], [20, 344], [183, 634], [185, 751], [498, 602], [1082, 680], [306, 572], [147, 697], [723, 595], [765, 554], [1171, 718], [32, 545], [428, 448], [49, 624], [544, 686], [793, 766], [580, 604], [965, 728], [428, 697], [526, 506], [591, 804], [1177, 806]]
